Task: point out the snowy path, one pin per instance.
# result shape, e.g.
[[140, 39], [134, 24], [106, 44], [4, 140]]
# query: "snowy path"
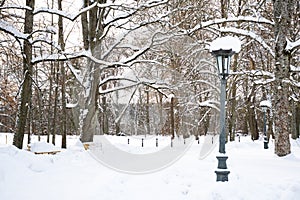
[[255, 173]]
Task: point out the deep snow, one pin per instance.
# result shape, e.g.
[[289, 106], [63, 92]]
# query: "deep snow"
[[255, 173]]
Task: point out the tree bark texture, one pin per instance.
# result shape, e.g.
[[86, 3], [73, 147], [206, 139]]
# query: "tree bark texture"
[[63, 80], [282, 65], [92, 29], [26, 88]]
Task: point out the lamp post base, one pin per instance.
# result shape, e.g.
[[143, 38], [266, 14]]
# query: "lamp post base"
[[265, 142], [266, 145], [222, 175], [222, 172]]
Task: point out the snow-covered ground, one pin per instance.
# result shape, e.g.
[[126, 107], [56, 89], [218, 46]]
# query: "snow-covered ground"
[[255, 173]]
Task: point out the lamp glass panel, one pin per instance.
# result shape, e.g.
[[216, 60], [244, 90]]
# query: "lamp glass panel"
[[220, 63], [228, 64]]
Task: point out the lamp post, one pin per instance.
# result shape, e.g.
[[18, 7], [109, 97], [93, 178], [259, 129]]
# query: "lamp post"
[[222, 49], [264, 106]]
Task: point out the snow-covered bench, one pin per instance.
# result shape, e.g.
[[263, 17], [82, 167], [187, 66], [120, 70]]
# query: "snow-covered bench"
[[43, 148]]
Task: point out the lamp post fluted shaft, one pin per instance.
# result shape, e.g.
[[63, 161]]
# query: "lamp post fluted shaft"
[[222, 172], [222, 137]]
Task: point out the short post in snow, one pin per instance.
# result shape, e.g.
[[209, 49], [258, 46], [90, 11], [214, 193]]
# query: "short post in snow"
[[142, 142], [223, 48], [156, 142], [264, 106]]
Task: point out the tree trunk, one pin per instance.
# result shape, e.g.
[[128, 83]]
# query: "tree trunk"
[[251, 116], [233, 104], [54, 128], [298, 120], [294, 121], [90, 118], [63, 80], [52, 75], [27, 83], [282, 65], [147, 111], [92, 30], [253, 124]]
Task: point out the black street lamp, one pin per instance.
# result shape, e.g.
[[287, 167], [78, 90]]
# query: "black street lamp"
[[264, 106], [222, 49]]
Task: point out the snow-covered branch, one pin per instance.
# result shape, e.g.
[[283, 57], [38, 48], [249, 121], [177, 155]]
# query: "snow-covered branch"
[[229, 19], [4, 26], [210, 104], [151, 84], [262, 77], [250, 34], [70, 56], [132, 11], [70, 16], [18, 7], [292, 46]]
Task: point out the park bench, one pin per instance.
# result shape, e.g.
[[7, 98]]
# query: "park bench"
[[40, 151]]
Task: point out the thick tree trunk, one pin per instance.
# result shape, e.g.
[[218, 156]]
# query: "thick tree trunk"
[[54, 128], [298, 120], [253, 123], [90, 113], [63, 81], [92, 30], [233, 104], [251, 116], [51, 77], [26, 89], [281, 88], [294, 121]]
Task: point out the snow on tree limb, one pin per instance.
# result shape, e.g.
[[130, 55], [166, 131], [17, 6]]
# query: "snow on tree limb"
[[292, 46], [250, 34], [19, 7], [263, 77], [210, 103], [70, 56], [6, 27], [70, 16], [74, 16], [230, 19]]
